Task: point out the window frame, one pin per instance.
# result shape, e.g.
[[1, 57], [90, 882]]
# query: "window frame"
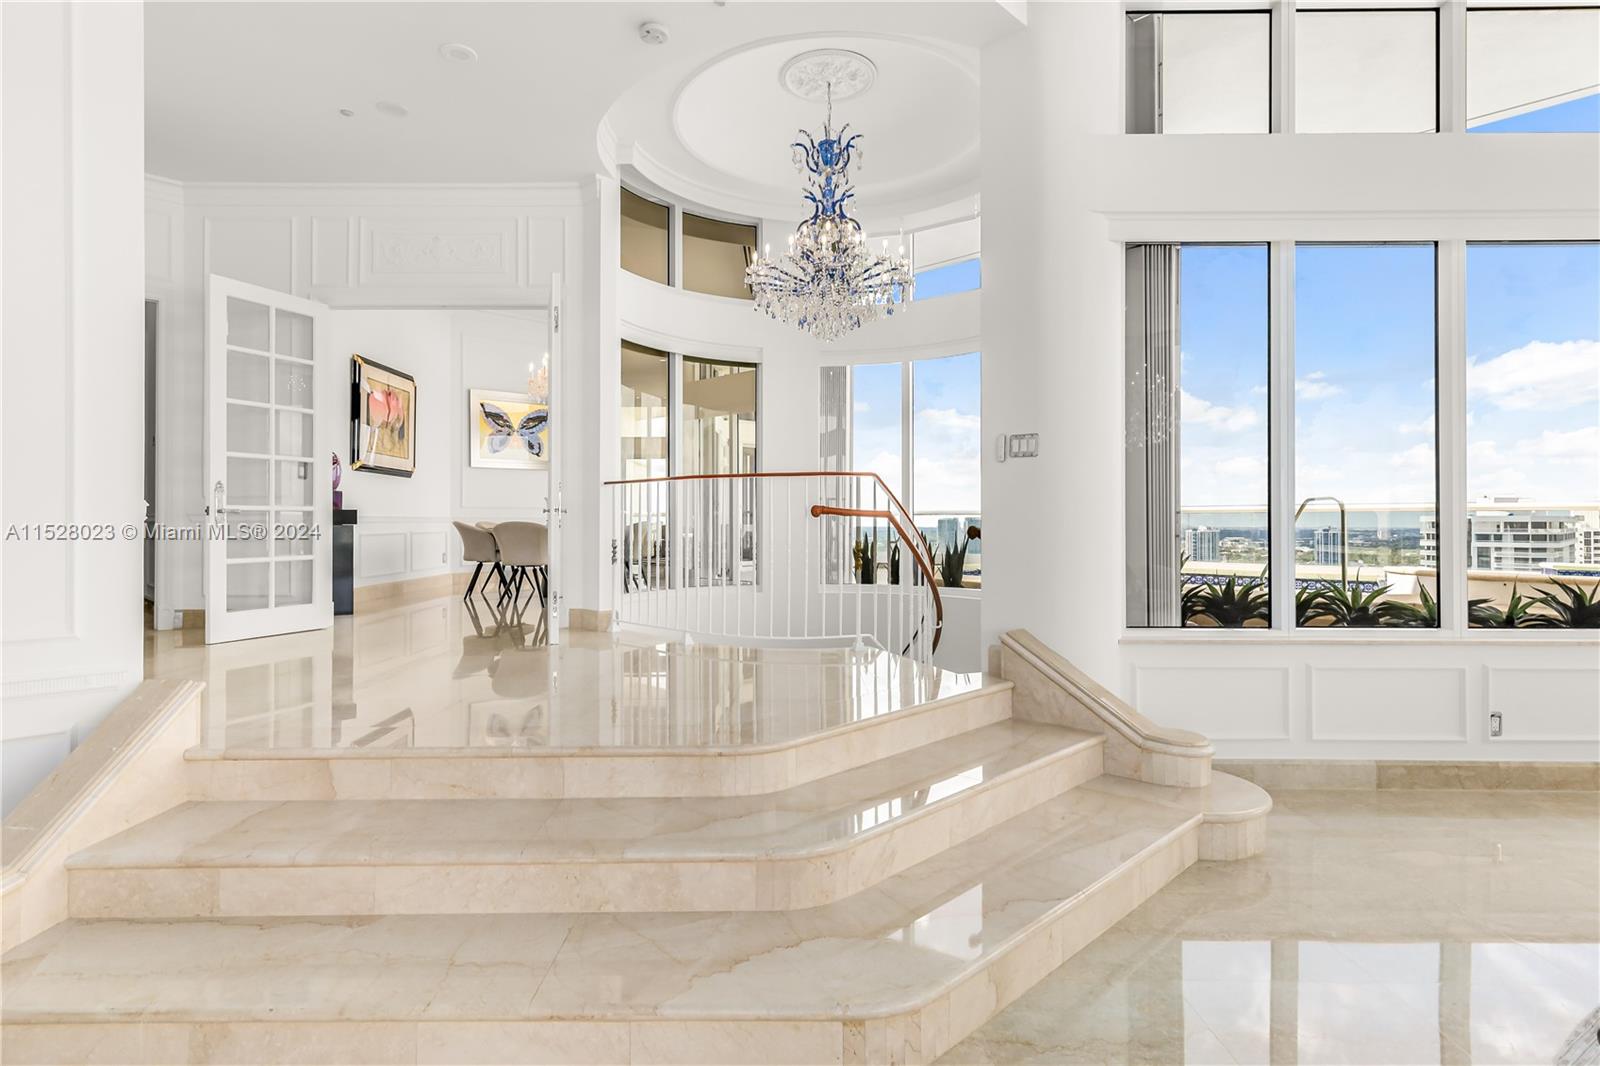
[[1450, 53], [1450, 458], [676, 209], [907, 493]]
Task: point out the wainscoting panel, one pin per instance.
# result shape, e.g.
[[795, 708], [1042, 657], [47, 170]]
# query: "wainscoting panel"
[[382, 555], [429, 551], [1545, 704], [1223, 703], [330, 251], [1391, 703]]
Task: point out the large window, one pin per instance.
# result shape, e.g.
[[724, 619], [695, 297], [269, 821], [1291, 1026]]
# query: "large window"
[[1366, 483], [1366, 71], [646, 246], [643, 413], [1199, 72], [928, 451], [944, 259], [715, 255], [687, 415], [1532, 525], [1533, 70], [946, 435], [1198, 529]]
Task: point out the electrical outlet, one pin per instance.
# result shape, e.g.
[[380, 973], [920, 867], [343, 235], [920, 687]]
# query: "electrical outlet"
[[1496, 724]]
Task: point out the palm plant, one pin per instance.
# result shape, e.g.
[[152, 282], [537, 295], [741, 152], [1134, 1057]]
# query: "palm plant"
[[953, 564], [1410, 614], [894, 563], [1517, 613], [1234, 602], [1308, 604], [1347, 605], [1189, 601], [865, 557], [1571, 607]]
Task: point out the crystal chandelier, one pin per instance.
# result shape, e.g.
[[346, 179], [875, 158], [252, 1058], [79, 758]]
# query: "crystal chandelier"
[[830, 282]]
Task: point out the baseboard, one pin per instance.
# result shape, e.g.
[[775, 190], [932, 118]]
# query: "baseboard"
[[1372, 774], [398, 593], [588, 618]]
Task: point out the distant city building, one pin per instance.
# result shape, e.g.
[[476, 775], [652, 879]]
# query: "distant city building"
[[1511, 538], [1328, 549], [1200, 545], [1588, 545]]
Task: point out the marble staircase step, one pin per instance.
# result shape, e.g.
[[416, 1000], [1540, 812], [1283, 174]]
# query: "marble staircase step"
[[803, 847], [786, 744], [897, 972]]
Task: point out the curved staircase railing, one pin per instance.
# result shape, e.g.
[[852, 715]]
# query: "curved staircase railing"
[[820, 557]]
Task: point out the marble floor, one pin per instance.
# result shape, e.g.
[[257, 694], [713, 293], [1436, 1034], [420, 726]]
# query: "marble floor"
[[443, 674], [1379, 927]]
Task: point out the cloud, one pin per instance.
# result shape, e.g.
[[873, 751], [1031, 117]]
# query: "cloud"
[[1539, 375], [862, 407], [947, 460], [1560, 466], [1417, 457], [1421, 426], [1205, 413], [1315, 386]]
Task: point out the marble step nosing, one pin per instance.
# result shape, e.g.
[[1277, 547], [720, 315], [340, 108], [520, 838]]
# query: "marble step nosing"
[[593, 773], [813, 876]]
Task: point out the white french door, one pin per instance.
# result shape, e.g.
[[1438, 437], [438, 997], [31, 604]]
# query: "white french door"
[[268, 484], [559, 442]]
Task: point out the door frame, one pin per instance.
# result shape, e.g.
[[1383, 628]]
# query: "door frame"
[[317, 613]]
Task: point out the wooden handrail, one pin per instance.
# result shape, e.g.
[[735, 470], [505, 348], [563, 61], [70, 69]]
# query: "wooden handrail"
[[820, 509]]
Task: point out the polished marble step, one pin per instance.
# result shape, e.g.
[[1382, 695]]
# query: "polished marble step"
[[802, 847], [895, 706], [898, 972]]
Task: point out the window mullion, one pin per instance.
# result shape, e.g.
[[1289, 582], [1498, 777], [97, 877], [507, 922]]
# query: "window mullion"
[[1280, 432], [1281, 105], [908, 486], [1451, 436], [1452, 44]]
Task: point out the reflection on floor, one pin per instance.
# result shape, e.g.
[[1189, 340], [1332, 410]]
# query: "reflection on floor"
[[449, 675], [1379, 927]]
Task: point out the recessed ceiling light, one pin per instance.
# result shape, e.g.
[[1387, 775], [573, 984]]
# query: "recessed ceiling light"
[[347, 112], [458, 53], [392, 109]]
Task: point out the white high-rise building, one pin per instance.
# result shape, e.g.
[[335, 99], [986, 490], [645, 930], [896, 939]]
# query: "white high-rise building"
[[1328, 547], [1200, 545]]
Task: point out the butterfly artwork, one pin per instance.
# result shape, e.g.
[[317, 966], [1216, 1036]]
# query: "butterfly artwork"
[[509, 430]]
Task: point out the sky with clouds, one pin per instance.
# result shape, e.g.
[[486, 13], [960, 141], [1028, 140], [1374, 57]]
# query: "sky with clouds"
[[1364, 376], [945, 426]]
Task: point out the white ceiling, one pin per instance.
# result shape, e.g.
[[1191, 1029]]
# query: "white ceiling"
[[252, 91]]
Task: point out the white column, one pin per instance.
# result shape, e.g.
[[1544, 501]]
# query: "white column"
[[73, 217]]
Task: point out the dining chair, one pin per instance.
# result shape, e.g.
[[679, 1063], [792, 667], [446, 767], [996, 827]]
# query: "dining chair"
[[525, 555], [478, 546]]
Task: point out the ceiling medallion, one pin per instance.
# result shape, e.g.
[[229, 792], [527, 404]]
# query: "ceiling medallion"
[[810, 75], [830, 282]]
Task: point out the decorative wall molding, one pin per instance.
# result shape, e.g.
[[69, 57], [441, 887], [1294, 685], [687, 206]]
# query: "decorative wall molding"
[[1222, 702], [1556, 704], [432, 252], [1388, 703], [49, 686]]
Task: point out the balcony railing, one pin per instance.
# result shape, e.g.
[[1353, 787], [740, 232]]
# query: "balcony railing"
[[821, 558]]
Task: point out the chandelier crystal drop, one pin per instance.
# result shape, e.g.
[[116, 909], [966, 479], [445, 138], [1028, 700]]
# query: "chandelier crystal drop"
[[830, 282]]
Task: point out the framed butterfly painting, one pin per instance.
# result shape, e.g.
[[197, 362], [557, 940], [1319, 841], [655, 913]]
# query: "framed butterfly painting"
[[383, 418], [510, 430]]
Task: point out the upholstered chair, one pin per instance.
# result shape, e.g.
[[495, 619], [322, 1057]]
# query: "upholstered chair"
[[525, 555], [478, 546]]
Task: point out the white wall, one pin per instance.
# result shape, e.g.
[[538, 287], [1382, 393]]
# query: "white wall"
[[1061, 189], [403, 528], [365, 246], [73, 372]]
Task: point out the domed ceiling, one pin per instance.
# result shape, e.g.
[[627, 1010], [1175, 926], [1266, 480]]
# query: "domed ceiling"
[[720, 134]]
